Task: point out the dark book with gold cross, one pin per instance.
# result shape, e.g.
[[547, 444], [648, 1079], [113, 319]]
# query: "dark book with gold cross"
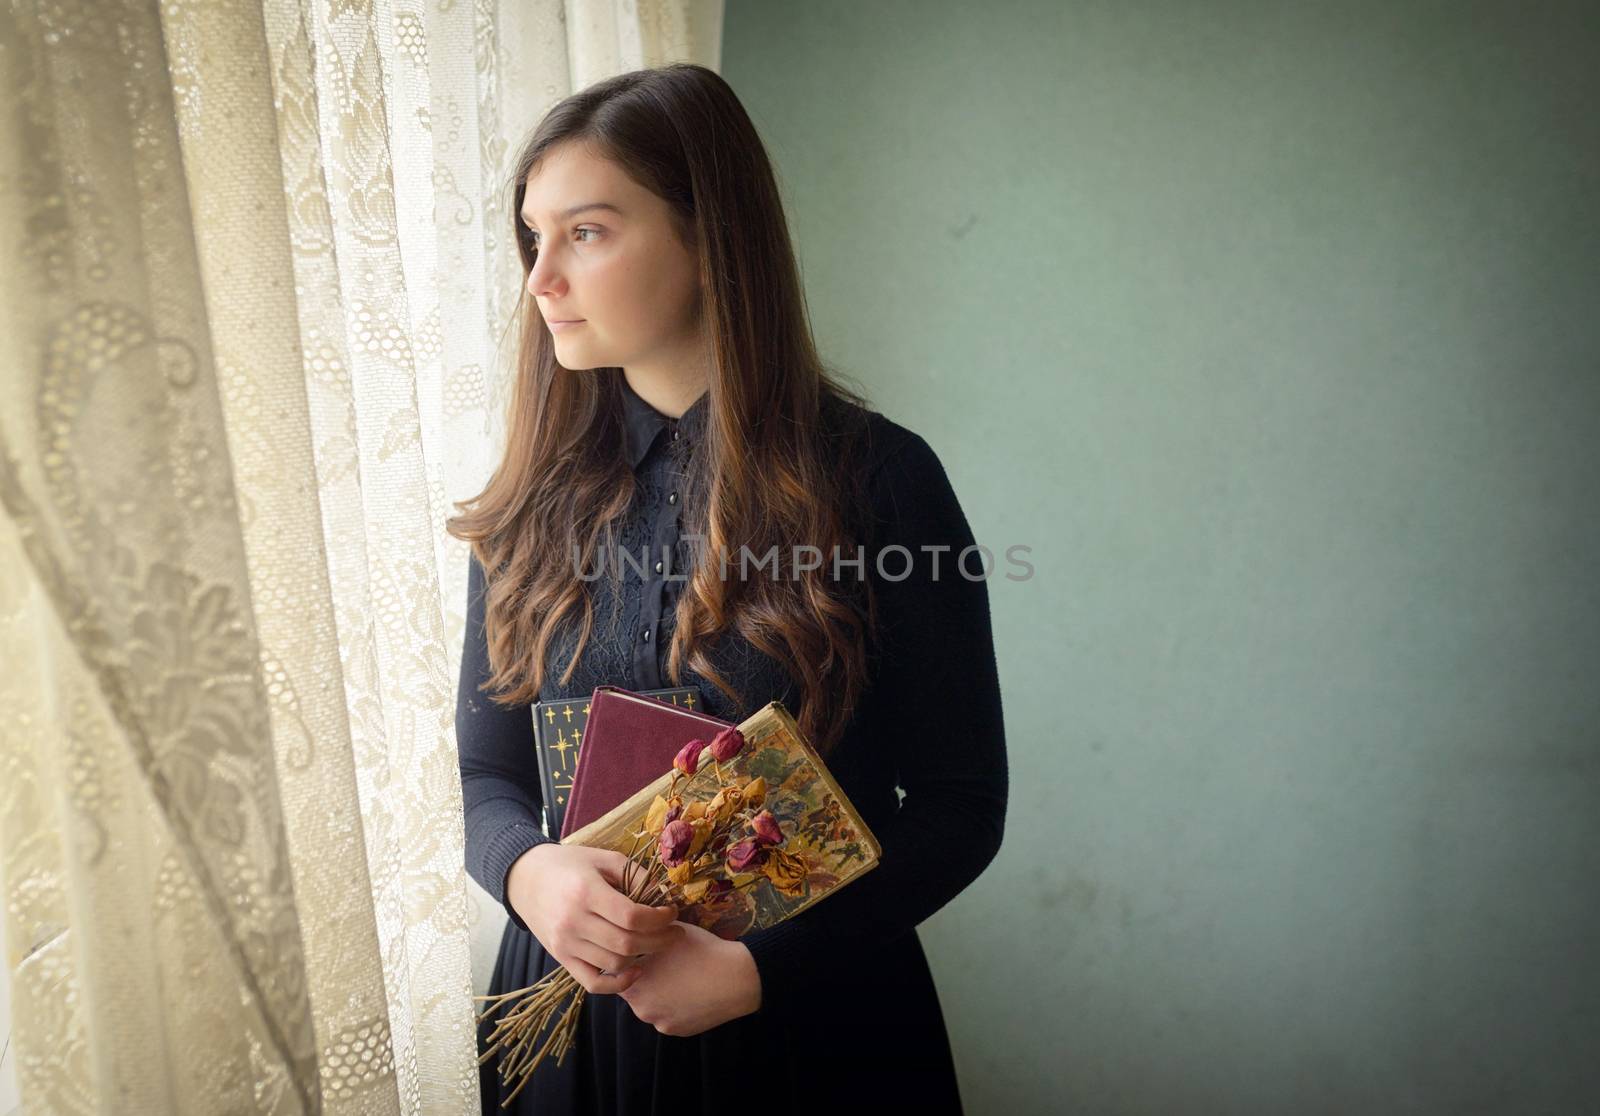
[[558, 728]]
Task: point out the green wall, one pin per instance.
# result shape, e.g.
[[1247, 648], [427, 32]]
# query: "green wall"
[[1272, 329]]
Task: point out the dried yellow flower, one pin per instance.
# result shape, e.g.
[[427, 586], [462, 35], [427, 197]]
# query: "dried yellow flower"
[[755, 792], [681, 874], [656, 817], [787, 872], [702, 833]]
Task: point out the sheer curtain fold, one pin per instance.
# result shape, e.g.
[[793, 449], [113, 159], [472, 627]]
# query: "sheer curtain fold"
[[253, 325]]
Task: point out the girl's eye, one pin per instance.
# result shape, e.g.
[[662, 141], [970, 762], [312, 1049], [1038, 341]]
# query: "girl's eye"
[[533, 237]]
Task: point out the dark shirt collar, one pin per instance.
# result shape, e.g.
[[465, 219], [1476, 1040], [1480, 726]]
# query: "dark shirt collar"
[[642, 423]]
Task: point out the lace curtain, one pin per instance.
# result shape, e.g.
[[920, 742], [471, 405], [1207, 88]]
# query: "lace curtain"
[[256, 287]]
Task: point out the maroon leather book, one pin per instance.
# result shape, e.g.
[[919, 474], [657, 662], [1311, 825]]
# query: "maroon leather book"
[[630, 741]]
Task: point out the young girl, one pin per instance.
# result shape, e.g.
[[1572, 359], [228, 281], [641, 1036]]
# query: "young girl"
[[799, 547]]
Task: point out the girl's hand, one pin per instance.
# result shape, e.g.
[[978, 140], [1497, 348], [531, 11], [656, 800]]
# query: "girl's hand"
[[571, 898], [695, 984]]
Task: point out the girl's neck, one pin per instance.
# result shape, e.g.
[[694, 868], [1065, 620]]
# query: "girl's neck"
[[670, 393]]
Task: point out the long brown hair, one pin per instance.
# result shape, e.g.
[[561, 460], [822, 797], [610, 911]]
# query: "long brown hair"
[[771, 469]]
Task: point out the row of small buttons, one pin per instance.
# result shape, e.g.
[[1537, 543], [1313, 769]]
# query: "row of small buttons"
[[672, 498]]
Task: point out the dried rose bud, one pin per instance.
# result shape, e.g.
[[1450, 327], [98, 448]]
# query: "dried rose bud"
[[695, 810], [718, 887], [755, 793], [674, 808], [745, 856], [688, 757], [766, 827], [727, 744], [674, 843]]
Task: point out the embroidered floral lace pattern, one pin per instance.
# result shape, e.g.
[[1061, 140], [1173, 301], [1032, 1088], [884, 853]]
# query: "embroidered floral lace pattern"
[[255, 290]]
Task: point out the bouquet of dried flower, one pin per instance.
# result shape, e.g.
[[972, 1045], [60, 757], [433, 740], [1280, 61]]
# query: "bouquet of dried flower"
[[752, 837]]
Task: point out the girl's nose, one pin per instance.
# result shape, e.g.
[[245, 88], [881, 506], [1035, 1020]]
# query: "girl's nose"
[[543, 278]]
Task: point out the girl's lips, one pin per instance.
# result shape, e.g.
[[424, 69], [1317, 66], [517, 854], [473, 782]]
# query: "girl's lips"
[[557, 327]]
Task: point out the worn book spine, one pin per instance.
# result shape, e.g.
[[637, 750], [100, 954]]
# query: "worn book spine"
[[826, 842], [558, 728]]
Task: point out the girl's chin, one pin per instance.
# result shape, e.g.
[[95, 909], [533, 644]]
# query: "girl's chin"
[[580, 362]]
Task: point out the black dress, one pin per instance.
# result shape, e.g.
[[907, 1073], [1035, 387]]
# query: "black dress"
[[849, 1014]]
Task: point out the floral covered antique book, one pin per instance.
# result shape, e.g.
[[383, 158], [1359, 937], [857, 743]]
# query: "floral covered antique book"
[[749, 828]]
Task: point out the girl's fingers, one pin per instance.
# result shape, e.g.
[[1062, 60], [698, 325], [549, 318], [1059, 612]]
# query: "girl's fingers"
[[617, 909], [598, 983], [600, 957], [607, 935]]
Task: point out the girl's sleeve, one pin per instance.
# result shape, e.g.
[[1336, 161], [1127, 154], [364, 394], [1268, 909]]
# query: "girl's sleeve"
[[938, 696], [500, 793]]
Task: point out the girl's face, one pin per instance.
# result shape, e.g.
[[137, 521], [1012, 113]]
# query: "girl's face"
[[609, 258]]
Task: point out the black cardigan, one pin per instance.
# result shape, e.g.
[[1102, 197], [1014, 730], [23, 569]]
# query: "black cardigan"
[[930, 722]]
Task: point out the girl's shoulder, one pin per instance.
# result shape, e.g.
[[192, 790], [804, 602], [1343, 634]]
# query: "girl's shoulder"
[[882, 452]]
